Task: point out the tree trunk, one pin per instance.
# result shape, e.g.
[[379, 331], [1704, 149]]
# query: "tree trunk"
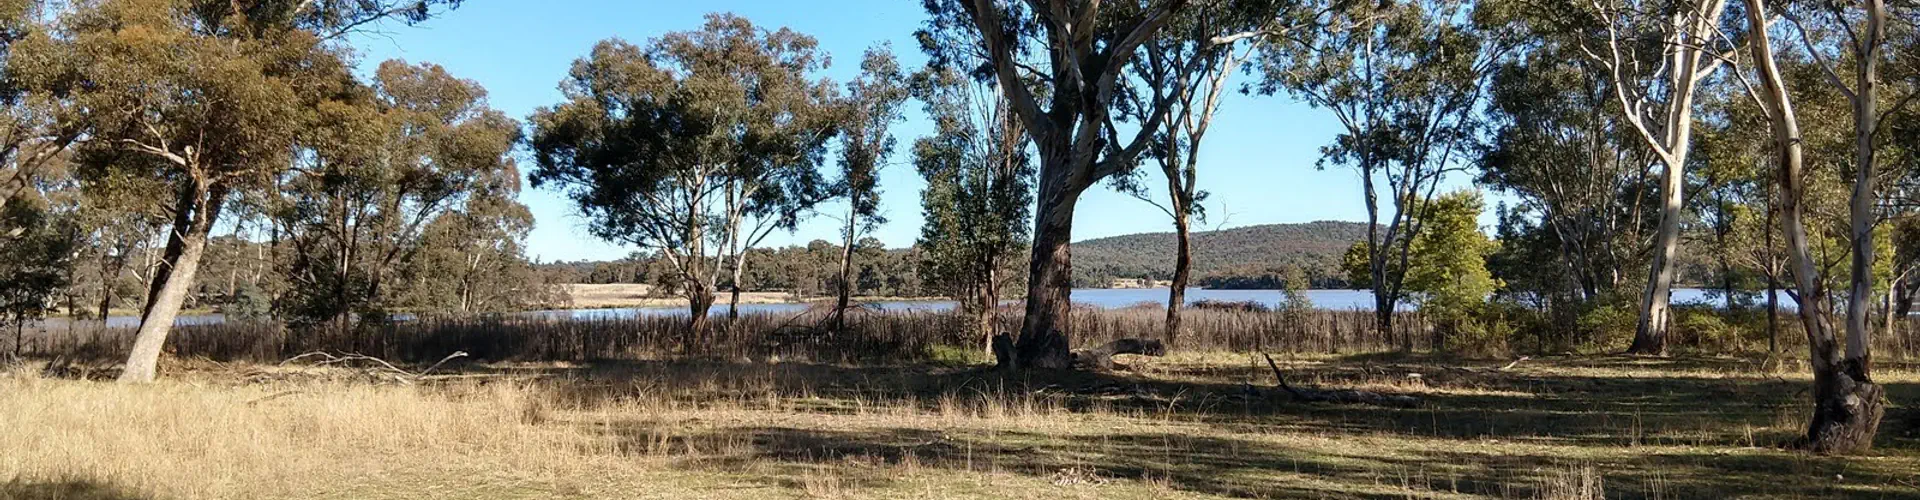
[[182, 223], [1383, 318], [1182, 270], [699, 300], [174, 286], [1044, 338], [1773, 281], [845, 295], [1847, 405], [1650, 335], [106, 300]]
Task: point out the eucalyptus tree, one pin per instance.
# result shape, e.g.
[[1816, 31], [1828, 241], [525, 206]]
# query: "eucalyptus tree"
[[979, 193], [1404, 80], [37, 244], [415, 147], [1656, 54], [209, 96], [695, 147], [1183, 72], [36, 128], [874, 103], [472, 260], [1557, 147], [1848, 405], [1059, 64]]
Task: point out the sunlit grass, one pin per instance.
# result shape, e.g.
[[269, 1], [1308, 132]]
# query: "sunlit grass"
[[1184, 426]]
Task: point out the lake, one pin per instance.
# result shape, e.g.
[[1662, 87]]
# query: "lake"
[[1097, 297]]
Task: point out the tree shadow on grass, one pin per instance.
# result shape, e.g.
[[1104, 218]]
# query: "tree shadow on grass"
[[1546, 406], [1726, 426], [873, 458], [65, 490], [1264, 468]]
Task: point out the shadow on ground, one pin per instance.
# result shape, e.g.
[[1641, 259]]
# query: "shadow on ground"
[[65, 490], [1701, 428]]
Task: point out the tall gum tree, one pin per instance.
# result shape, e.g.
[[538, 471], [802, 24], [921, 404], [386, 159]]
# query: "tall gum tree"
[[1657, 53], [207, 95], [1059, 63], [874, 103], [1848, 405], [1188, 66], [1405, 82]]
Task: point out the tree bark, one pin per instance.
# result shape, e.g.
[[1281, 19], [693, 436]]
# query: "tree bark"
[[172, 288], [1650, 335], [699, 300], [1044, 340], [1182, 269], [1848, 406], [845, 293]]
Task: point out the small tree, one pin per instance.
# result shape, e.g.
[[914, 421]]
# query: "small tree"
[[873, 105], [978, 195], [1405, 82], [1448, 272], [36, 252]]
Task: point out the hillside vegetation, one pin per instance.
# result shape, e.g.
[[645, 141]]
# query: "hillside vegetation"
[[1243, 257]]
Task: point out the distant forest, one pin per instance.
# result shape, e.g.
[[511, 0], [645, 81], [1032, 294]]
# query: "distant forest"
[[1253, 257]]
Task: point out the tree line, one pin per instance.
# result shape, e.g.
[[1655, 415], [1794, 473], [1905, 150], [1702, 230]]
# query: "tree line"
[[1771, 138], [1768, 135]]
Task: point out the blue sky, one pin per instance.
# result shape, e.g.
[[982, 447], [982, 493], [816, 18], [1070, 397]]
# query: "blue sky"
[[1258, 160]]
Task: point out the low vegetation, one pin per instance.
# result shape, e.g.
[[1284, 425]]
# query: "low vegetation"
[[1187, 426]]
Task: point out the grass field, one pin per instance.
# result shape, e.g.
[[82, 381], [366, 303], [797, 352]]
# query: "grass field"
[[1188, 426]]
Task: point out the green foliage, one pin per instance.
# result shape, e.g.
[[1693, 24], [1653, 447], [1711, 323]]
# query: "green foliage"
[[979, 191], [695, 146], [249, 303], [36, 248], [1447, 271], [421, 162]]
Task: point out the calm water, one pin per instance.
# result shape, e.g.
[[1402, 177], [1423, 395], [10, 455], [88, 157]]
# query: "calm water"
[[1101, 298]]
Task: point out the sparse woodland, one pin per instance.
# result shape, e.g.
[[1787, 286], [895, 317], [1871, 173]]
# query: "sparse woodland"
[[383, 332]]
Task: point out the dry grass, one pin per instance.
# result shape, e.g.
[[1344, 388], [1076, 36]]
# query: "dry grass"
[[1180, 427], [871, 336]]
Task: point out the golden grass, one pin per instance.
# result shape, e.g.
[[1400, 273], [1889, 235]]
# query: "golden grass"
[[1181, 427]]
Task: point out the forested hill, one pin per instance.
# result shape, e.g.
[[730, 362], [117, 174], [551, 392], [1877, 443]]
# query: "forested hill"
[[1243, 257]]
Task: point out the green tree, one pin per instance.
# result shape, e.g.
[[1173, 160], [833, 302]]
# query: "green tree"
[[1404, 80], [694, 148], [420, 146], [37, 245], [874, 103], [209, 96], [1447, 273], [978, 194], [1058, 64]]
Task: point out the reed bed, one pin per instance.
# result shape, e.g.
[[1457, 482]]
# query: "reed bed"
[[870, 336], [873, 336]]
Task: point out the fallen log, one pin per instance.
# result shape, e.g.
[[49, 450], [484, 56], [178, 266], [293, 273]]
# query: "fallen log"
[[1341, 396], [1101, 358]]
